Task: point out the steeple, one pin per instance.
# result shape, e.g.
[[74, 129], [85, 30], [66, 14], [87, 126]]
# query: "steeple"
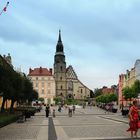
[[59, 38], [59, 46]]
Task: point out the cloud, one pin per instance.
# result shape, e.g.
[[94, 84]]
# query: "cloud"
[[100, 37]]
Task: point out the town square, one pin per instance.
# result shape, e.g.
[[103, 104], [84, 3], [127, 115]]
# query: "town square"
[[69, 70]]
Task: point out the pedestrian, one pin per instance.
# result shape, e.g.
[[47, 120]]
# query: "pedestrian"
[[54, 113], [70, 111], [59, 108], [133, 119], [47, 110], [73, 108]]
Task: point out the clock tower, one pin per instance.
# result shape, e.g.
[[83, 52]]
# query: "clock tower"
[[60, 69]]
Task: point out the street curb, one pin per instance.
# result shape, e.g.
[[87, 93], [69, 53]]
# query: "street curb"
[[118, 120]]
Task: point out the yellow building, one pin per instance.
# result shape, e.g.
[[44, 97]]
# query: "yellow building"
[[43, 82], [130, 77]]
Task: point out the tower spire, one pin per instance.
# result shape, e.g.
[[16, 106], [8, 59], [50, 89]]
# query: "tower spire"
[[59, 46], [59, 38]]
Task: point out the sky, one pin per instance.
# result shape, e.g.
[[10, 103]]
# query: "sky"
[[101, 38]]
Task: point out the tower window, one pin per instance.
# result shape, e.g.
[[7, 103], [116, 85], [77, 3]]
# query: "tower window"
[[61, 68], [61, 87]]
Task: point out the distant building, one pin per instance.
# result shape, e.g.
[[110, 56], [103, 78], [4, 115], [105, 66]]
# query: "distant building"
[[43, 82], [120, 89], [137, 69], [106, 90], [75, 88], [62, 83], [67, 84], [127, 80]]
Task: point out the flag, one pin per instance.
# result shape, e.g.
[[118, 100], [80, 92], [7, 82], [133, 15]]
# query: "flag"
[[5, 8]]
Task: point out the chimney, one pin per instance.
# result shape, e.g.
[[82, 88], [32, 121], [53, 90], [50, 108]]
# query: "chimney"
[[50, 70], [40, 70], [30, 70]]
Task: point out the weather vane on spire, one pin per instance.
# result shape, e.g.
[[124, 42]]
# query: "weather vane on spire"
[[5, 8]]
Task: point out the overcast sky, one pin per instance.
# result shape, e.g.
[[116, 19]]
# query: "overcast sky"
[[101, 38]]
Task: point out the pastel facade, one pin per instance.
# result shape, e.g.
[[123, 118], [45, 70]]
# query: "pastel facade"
[[43, 82], [127, 80]]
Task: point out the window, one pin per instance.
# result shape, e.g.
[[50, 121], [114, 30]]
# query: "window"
[[61, 87], [36, 78], [60, 78], [42, 84], [42, 91], [49, 84], [36, 85], [49, 92], [61, 68], [81, 91]]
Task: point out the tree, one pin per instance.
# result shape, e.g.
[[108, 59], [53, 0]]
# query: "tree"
[[128, 93], [92, 95], [107, 98], [41, 99], [136, 88], [97, 92]]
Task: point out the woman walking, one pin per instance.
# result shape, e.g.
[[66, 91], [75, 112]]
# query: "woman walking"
[[133, 119]]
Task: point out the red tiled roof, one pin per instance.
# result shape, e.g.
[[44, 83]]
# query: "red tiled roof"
[[107, 90], [40, 72]]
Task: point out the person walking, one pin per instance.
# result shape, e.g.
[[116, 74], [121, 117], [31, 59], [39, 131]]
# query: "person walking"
[[133, 119], [47, 110], [70, 111], [73, 108]]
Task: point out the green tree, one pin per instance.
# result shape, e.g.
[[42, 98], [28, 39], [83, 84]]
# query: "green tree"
[[128, 93], [97, 92], [136, 88], [92, 95], [41, 99]]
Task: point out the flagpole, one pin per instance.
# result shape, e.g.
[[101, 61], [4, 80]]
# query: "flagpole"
[[1, 12]]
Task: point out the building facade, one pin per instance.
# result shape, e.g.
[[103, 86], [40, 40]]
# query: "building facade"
[[43, 82], [63, 82], [127, 80], [137, 69], [60, 70], [66, 81]]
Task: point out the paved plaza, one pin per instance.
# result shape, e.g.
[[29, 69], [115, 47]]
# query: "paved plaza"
[[85, 124]]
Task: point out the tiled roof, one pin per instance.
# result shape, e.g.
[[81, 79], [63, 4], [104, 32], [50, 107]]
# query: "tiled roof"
[[107, 90], [40, 72]]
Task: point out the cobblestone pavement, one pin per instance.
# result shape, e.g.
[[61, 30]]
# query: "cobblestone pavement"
[[35, 128], [92, 124], [85, 124]]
